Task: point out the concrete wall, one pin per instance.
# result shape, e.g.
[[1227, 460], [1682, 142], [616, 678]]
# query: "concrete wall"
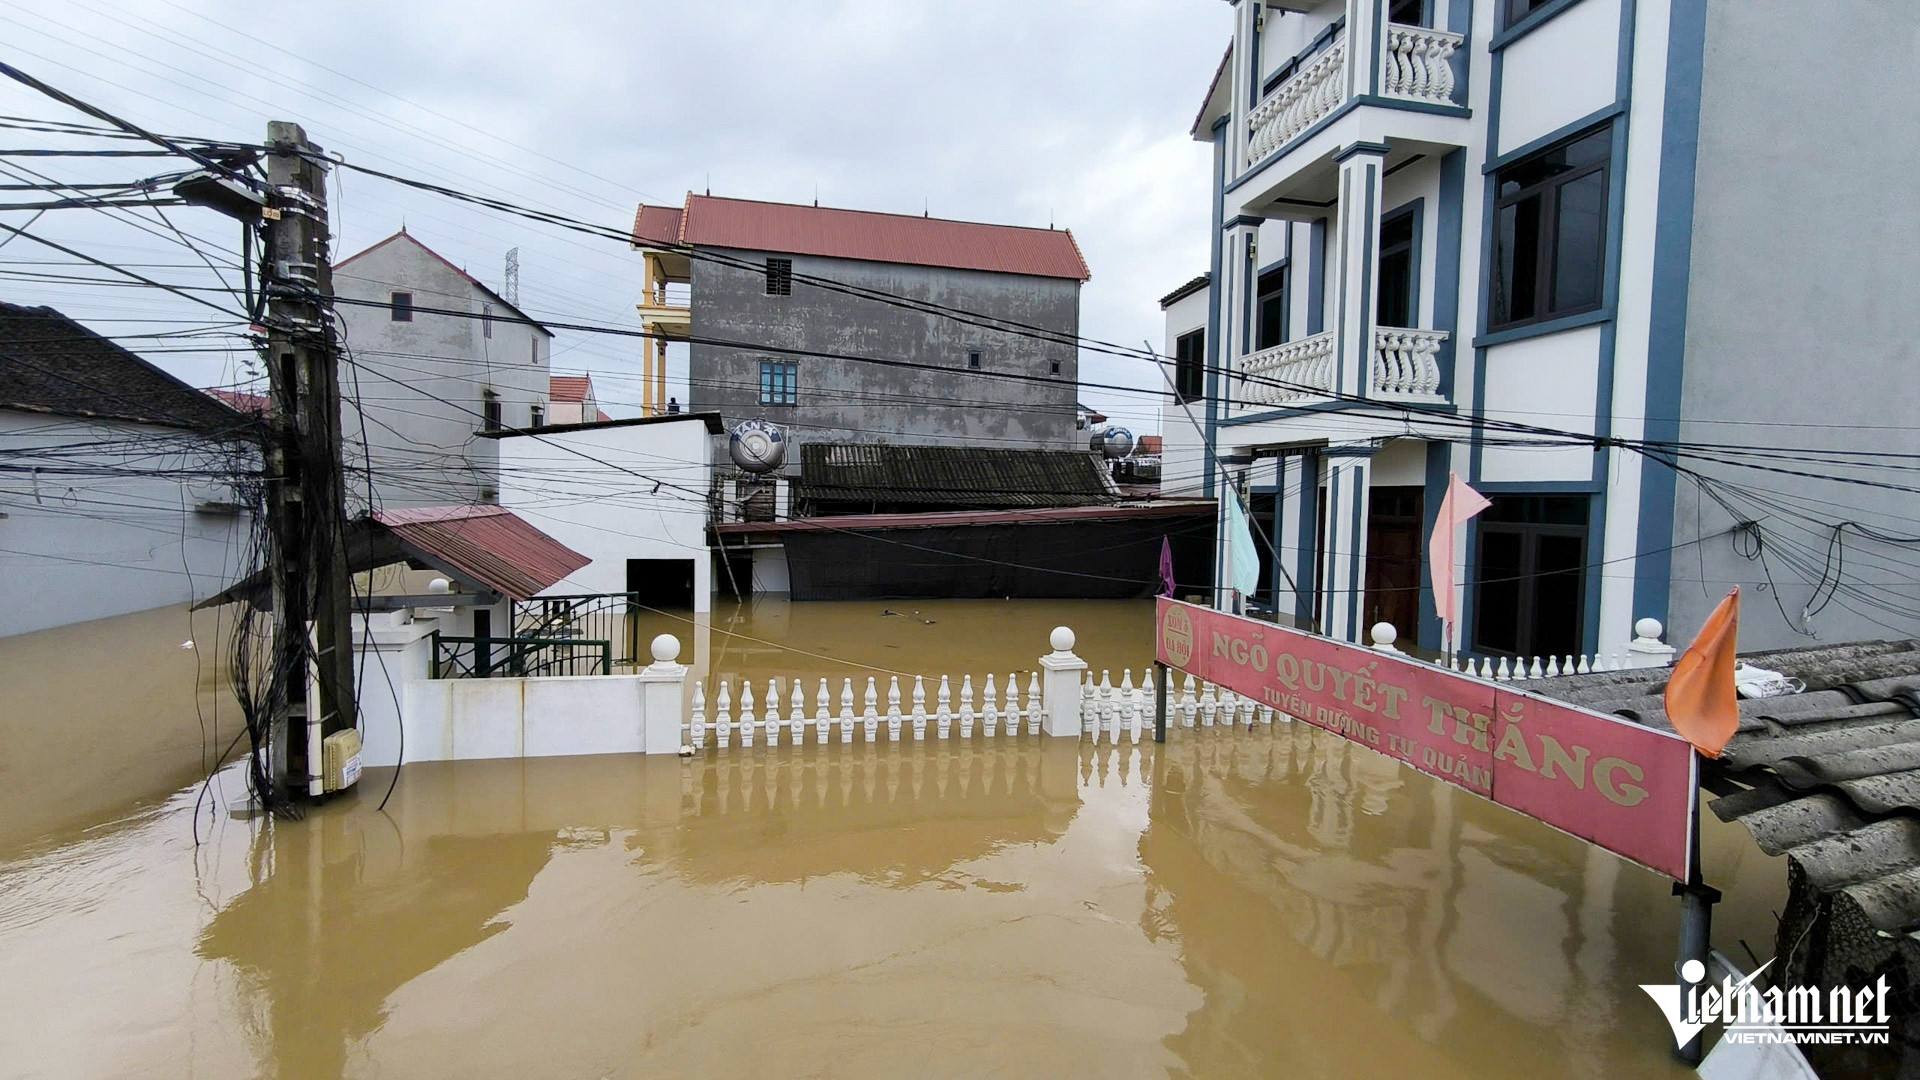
[[1182, 457], [421, 384], [593, 490], [853, 401], [80, 541], [1800, 328]]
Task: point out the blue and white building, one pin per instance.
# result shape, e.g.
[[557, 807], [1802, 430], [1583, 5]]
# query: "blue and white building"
[[1489, 236]]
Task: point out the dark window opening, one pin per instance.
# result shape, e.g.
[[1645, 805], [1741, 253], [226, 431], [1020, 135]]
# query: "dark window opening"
[[1407, 12], [539, 416], [1516, 10], [779, 277], [1271, 309], [1190, 366], [1530, 591], [486, 320], [490, 413], [973, 361], [1393, 304], [660, 583], [402, 307], [779, 382], [1260, 512], [1550, 228], [1053, 367]]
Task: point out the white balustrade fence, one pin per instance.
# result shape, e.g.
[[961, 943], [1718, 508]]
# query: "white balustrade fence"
[[1645, 650], [1418, 63], [1001, 714], [1289, 372], [1300, 102], [1406, 362]]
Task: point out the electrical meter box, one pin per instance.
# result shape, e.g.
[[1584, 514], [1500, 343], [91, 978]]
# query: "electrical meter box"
[[340, 760]]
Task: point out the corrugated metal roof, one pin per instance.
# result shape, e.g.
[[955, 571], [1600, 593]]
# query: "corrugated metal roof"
[[51, 364], [1830, 778], [574, 388], [486, 545], [956, 476], [788, 228], [656, 225]]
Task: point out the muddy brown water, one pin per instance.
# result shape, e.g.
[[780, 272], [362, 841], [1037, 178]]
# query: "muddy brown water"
[[1234, 903]]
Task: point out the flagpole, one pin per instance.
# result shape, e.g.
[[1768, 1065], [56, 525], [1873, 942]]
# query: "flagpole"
[[1696, 920]]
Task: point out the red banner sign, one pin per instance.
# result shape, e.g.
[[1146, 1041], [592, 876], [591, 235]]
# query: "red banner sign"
[[1604, 779]]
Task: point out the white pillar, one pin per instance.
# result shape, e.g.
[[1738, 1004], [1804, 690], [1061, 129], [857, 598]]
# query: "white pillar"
[[1646, 650], [662, 687], [1343, 570], [1355, 265], [1061, 672], [391, 645]]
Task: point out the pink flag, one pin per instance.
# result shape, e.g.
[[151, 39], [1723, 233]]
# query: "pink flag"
[[1166, 567], [1456, 509]]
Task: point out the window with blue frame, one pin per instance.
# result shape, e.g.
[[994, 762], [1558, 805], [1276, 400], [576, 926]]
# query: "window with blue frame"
[[779, 382]]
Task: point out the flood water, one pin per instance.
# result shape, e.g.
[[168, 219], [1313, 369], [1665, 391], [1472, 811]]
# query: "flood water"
[[1235, 903]]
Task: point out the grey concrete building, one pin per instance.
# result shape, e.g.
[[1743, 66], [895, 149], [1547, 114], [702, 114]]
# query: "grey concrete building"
[[836, 324], [425, 376]]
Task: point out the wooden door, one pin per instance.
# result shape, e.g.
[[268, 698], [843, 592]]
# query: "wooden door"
[[1394, 563]]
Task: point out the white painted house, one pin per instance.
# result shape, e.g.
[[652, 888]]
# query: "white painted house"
[[1478, 236], [121, 487], [435, 359], [629, 494]]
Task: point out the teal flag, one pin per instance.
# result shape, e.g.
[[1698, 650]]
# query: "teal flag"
[[1242, 556]]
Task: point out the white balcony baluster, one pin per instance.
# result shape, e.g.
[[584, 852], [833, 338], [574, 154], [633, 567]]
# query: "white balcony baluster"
[[1417, 63], [1305, 366], [1404, 362], [1299, 103]]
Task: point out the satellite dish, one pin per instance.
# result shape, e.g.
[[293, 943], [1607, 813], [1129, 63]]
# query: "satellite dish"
[[757, 446], [1114, 442]]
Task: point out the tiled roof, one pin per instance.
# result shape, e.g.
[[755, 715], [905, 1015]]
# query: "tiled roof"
[[1213, 88], [51, 364], [574, 388], [1192, 286], [955, 476], [1830, 778], [474, 281], [789, 228], [485, 545]]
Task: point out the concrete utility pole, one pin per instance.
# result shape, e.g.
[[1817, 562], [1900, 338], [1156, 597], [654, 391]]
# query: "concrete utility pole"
[[306, 513]]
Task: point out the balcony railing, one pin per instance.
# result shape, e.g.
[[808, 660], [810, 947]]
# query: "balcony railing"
[[1291, 372], [1415, 65], [1405, 362], [1418, 64], [1300, 102]]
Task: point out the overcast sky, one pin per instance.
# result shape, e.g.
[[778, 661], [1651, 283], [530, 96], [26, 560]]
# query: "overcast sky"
[[1021, 112]]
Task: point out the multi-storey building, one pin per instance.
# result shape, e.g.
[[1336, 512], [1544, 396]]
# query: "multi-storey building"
[[1525, 240], [435, 359], [841, 326]]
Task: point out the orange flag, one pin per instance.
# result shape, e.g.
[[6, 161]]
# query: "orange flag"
[[1701, 699]]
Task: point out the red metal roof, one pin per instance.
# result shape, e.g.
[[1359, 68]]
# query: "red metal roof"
[[749, 225], [485, 545], [574, 388], [241, 401], [659, 224]]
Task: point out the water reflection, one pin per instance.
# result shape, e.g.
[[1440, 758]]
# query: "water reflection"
[[1233, 903]]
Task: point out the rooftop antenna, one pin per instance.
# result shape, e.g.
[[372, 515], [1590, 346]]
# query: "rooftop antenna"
[[510, 289], [709, 184], [816, 194], [926, 206]]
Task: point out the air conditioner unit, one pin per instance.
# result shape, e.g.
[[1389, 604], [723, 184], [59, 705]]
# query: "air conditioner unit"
[[340, 760]]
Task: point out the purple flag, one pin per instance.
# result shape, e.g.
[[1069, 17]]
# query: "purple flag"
[[1166, 567]]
